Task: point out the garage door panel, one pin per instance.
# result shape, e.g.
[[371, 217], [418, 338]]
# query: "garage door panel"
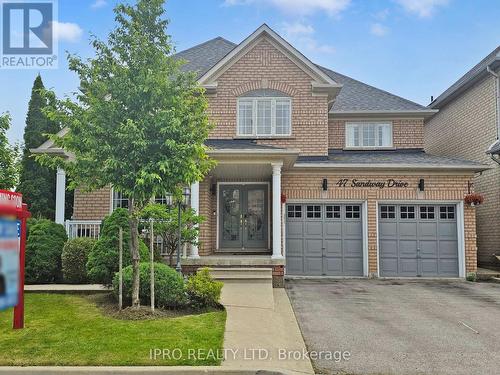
[[429, 267], [389, 266], [448, 249], [388, 248], [295, 229], [313, 265], [407, 230], [407, 248], [313, 247], [353, 266], [333, 266], [294, 265], [352, 229], [428, 249], [295, 247], [353, 248], [448, 267], [333, 229], [388, 230], [313, 228], [408, 267], [448, 230], [428, 230], [333, 247]]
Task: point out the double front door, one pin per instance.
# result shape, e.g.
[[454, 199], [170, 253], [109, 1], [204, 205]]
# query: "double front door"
[[243, 217]]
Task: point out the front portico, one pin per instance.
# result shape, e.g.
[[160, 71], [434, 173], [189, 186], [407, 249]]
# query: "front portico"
[[241, 200]]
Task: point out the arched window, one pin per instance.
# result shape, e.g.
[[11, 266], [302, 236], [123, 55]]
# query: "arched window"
[[264, 113]]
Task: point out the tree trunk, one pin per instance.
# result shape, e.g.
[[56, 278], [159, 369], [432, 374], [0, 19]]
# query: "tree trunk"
[[134, 252]]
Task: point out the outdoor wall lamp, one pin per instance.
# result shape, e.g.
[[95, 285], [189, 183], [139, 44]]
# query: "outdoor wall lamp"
[[421, 184], [325, 184]]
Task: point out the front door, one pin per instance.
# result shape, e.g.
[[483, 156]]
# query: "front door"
[[243, 217]]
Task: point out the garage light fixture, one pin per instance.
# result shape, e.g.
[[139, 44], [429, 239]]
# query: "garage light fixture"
[[421, 184]]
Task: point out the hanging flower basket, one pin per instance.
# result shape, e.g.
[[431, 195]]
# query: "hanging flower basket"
[[283, 198], [474, 199]]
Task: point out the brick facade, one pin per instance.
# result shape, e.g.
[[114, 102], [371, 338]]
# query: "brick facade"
[[91, 206], [465, 128], [407, 133]]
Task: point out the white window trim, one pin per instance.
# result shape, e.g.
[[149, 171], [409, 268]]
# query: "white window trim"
[[254, 117], [361, 123]]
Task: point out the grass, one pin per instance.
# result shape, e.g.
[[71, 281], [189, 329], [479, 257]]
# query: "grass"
[[69, 330]]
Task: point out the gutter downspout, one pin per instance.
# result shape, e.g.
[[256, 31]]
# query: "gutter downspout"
[[497, 76]]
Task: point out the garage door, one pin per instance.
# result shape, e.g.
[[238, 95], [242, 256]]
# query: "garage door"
[[418, 240], [324, 239]]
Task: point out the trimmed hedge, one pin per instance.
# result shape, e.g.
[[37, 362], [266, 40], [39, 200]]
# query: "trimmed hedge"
[[104, 257], [44, 247], [203, 291], [169, 286], [74, 260]]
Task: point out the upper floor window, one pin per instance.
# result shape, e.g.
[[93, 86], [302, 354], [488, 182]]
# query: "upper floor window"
[[264, 113], [366, 134]]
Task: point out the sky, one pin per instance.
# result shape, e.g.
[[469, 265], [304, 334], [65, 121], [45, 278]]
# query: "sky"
[[411, 48]]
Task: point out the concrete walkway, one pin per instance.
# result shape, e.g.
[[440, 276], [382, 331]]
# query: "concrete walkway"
[[261, 329], [66, 288]]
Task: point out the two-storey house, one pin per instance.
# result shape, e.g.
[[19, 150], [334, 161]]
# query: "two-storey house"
[[317, 173]]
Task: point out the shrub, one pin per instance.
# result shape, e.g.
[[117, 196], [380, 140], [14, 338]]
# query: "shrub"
[[44, 246], [104, 257], [203, 290], [169, 286], [471, 276], [74, 260]]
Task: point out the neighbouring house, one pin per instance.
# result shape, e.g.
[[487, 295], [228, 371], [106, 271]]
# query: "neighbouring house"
[[317, 174], [467, 126]]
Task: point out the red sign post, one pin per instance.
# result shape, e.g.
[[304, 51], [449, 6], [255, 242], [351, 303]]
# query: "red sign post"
[[11, 206]]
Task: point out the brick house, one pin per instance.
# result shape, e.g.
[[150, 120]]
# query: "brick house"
[[317, 174], [467, 126]]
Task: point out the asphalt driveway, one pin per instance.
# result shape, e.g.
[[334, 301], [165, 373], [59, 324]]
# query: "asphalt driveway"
[[400, 327]]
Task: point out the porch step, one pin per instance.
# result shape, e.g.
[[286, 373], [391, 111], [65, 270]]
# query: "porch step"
[[233, 273]]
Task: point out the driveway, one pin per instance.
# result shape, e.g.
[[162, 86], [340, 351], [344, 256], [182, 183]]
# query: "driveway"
[[400, 327]]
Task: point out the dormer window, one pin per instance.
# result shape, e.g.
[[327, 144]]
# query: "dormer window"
[[264, 113], [368, 135]]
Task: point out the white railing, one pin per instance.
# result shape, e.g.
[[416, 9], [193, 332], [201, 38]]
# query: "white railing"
[[83, 228]]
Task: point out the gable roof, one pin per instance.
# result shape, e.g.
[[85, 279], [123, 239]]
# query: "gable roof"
[[469, 78], [355, 97], [279, 43]]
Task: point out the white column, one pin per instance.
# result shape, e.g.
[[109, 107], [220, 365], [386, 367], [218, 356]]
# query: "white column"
[[60, 195], [277, 210], [195, 205]]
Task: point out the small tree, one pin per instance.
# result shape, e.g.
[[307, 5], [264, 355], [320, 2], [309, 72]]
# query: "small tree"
[[140, 123], [166, 225], [9, 157], [37, 183]]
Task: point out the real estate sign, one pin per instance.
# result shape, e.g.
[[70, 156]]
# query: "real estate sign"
[[9, 263]]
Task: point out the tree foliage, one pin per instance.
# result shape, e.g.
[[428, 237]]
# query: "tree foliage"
[[166, 225], [37, 183], [9, 156], [139, 122]]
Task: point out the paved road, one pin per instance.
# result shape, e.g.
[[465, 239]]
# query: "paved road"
[[400, 327]]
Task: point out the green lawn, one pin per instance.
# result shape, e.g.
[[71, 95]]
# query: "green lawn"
[[64, 329]]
